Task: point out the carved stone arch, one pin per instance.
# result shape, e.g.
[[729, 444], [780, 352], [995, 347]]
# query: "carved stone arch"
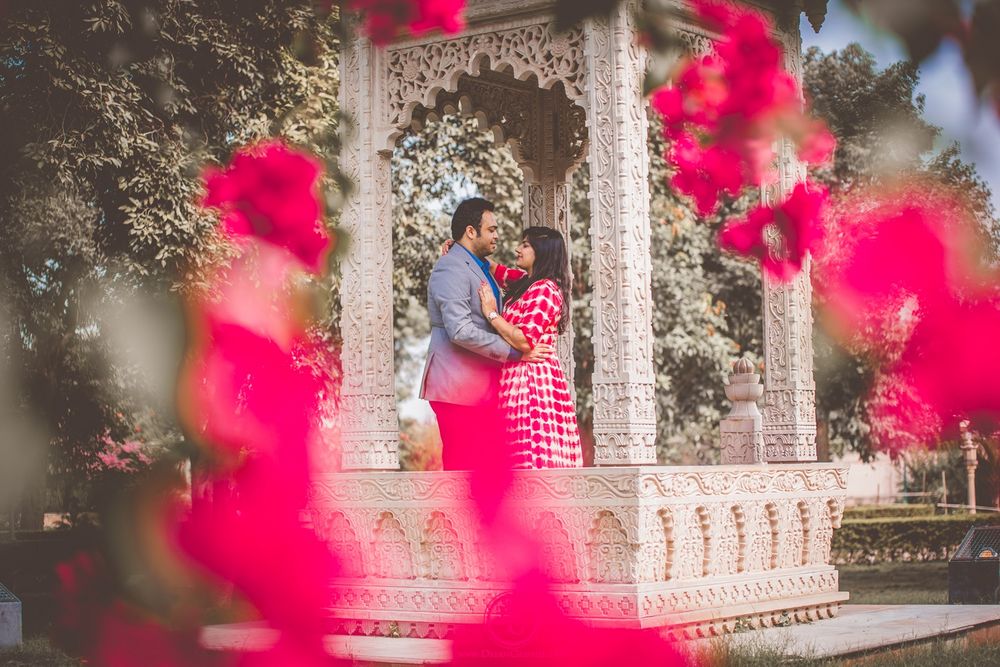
[[792, 529], [558, 557], [759, 538], [391, 553], [609, 550], [338, 531], [415, 75], [442, 550]]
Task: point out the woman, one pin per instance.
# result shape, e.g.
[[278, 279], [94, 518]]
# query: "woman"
[[535, 397]]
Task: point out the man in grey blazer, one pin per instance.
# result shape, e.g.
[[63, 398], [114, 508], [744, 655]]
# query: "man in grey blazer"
[[462, 375]]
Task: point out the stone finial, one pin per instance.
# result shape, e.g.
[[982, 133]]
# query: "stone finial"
[[742, 430]]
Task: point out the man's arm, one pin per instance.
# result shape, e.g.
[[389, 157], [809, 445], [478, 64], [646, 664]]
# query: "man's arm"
[[455, 303]]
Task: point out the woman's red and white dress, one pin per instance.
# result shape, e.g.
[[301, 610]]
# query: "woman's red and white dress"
[[535, 397]]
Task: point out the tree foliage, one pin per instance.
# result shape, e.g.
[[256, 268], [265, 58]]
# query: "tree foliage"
[[108, 110], [877, 117]]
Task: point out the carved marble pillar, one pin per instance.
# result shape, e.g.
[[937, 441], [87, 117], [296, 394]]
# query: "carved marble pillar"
[[548, 153], [624, 407], [370, 433], [789, 387]]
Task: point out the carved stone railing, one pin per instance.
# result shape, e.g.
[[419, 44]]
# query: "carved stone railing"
[[690, 549]]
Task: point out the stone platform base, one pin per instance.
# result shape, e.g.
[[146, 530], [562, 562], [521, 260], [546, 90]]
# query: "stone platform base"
[[858, 629], [867, 628], [701, 550]]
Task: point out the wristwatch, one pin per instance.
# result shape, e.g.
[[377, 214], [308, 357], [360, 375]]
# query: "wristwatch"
[[493, 315]]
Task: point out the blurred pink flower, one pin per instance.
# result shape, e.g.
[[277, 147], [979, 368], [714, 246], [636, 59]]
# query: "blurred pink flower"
[[124, 457], [527, 627], [798, 224], [270, 191], [725, 110], [95, 624], [245, 534], [901, 279], [244, 392], [385, 20]]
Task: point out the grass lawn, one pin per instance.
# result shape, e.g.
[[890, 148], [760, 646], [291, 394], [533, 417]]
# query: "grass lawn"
[[891, 583], [896, 583], [36, 652], [975, 650]]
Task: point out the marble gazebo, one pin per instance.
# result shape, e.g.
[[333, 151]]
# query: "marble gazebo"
[[629, 543]]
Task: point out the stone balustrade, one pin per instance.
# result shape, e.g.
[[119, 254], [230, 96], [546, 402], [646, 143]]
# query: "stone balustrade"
[[690, 549]]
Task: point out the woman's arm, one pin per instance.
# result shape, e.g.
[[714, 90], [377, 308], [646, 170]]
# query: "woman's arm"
[[510, 333], [505, 275]]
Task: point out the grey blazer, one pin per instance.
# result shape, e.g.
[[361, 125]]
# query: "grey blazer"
[[465, 353]]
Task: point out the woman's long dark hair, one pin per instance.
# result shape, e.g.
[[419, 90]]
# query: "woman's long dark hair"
[[551, 263]]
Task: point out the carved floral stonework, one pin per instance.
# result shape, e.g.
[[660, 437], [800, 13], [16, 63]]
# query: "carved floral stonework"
[[675, 537], [415, 74]]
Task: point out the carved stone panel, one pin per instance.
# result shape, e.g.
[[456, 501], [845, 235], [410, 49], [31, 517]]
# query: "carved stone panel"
[[558, 557], [392, 552], [442, 552], [609, 550]]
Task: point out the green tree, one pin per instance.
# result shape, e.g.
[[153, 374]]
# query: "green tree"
[[108, 109], [877, 117]]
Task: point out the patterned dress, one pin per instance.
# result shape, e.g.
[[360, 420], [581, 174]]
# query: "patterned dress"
[[535, 397]]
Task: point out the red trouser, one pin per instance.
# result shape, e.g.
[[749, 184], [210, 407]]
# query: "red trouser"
[[472, 436]]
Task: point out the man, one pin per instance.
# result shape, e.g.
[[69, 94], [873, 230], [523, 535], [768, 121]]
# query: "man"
[[462, 375]]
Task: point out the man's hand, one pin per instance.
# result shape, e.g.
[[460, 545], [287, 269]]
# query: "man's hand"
[[539, 353], [446, 246]]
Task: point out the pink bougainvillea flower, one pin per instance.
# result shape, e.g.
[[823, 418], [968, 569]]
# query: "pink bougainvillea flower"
[[223, 535], [798, 223], [894, 254], [128, 637], [385, 20], [527, 627], [702, 173], [899, 417], [95, 624], [951, 362], [901, 279], [725, 111], [268, 191], [445, 15], [241, 391], [817, 144]]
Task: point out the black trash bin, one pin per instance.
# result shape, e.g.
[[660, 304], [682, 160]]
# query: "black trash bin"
[[974, 570]]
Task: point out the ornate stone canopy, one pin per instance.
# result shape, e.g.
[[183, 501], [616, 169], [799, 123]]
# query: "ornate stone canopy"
[[556, 98], [628, 543]]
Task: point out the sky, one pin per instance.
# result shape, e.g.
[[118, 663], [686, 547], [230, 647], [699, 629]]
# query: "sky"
[[951, 102]]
